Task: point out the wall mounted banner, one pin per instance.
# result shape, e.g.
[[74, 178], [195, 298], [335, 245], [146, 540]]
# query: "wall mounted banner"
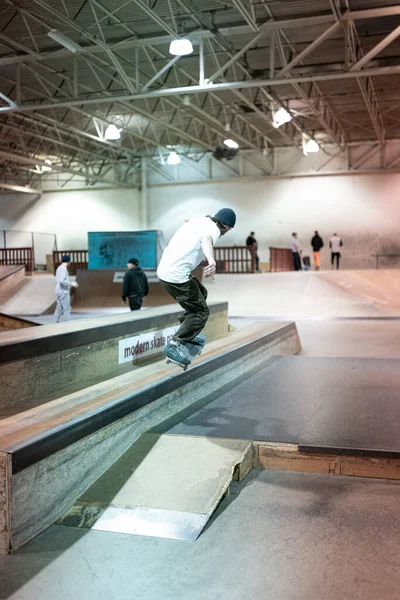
[[144, 344], [111, 249]]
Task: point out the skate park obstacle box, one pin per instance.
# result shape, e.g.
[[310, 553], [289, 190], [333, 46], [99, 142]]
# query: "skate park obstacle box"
[[58, 359]]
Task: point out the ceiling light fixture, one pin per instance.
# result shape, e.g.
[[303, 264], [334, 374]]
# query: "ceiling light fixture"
[[44, 168], [180, 47], [231, 144], [281, 117], [64, 41], [173, 158], [309, 145], [112, 132]]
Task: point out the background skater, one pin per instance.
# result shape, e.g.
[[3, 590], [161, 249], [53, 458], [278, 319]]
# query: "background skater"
[[296, 252], [135, 286], [335, 244], [252, 245], [317, 243], [63, 288], [190, 245]]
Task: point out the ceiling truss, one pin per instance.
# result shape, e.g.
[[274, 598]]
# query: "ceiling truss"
[[57, 103]]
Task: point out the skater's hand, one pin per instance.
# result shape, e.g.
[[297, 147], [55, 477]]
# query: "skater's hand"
[[74, 284], [123, 302], [210, 269]]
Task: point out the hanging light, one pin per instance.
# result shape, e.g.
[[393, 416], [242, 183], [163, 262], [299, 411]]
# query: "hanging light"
[[309, 145], [231, 143], [281, 117], [44, 168], [64, 41], [112, 133], [181, 47], [173, 158], [312, 146]]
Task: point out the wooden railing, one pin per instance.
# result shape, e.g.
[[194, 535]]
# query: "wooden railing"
[[281, 259], [17, 256], [389, 255], [234, 259], [229, 259], [79, 260]]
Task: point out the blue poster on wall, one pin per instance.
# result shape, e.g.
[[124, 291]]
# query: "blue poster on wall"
[[112, 249]]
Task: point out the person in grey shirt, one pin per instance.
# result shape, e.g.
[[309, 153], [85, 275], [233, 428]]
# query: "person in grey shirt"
[[296, 251], [63, 287]]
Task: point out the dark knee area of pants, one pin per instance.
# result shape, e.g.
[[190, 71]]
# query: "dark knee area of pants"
[[191, 296], [135, 302]]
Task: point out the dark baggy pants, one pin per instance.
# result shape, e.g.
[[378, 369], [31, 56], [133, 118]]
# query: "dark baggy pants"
[[192, 296], [135, 302], [337, 256], [296, 261]]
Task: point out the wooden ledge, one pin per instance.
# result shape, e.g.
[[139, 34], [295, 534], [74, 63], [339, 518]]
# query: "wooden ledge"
[[35, 434]]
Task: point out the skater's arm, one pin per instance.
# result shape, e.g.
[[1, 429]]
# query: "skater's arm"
[[207, 247]]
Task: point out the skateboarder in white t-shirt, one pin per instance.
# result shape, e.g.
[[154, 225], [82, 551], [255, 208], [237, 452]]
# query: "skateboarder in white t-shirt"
[[190, 245]]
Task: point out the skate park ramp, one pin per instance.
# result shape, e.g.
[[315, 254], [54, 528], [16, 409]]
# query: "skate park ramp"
[[33, 296], [99, 292], [53, 453], [330, 294], [163, 486]]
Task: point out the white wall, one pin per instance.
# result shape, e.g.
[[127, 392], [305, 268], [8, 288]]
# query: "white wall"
[[70, 215], [363, 209]]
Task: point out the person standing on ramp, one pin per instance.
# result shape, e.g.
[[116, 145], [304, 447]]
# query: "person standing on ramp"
[[63, 288], [190, 245]]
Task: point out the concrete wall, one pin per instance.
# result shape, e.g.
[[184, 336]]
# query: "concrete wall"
[[363, 209], [70, 215]]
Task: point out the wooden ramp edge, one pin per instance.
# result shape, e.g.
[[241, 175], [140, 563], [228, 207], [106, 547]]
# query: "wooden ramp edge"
[[352, 462], [52, 454]]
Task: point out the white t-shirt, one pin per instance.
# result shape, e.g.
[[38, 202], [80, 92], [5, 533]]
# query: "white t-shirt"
[[184, 253], [335, 243]]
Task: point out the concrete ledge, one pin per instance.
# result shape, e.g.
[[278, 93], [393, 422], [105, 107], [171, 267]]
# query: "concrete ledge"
[[57, 451], [63, 336], [43, 363]]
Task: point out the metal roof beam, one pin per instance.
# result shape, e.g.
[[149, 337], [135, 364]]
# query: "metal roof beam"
[[27, 160], [197, 89], [376, 49]]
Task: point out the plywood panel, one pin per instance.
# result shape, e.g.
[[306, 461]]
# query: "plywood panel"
[[4, 502]]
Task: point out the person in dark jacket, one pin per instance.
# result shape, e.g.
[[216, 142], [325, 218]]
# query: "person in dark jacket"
[[135, 285], [252, 245], [317, 243]]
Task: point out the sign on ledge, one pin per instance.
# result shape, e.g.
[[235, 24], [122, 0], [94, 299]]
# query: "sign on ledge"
[[144, 344]]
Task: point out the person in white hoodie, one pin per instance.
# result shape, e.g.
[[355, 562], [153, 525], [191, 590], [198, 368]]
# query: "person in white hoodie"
[[63, 288], [335, 244]]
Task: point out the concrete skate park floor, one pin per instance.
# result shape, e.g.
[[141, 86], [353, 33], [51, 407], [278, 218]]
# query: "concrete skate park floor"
[[280, 535]]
